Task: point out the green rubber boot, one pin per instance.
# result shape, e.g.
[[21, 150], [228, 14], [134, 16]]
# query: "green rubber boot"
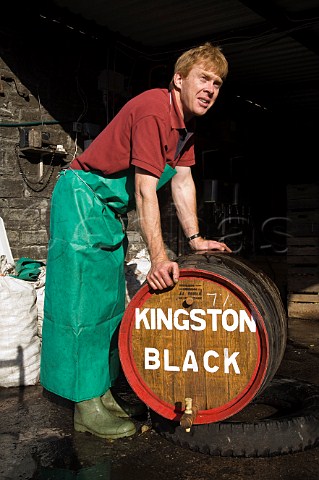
[[91, 416], [120, 408]]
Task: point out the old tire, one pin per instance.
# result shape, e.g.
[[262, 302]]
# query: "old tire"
[[294, 427]]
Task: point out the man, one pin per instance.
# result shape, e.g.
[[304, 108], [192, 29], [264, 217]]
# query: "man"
[[149, 142]]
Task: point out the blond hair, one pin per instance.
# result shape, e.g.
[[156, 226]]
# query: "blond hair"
[[208, 55]]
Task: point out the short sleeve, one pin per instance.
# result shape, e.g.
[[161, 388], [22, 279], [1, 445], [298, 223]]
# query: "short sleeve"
[[149, 145]]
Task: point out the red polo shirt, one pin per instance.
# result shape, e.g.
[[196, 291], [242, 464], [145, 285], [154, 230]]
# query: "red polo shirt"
[[144, 133]]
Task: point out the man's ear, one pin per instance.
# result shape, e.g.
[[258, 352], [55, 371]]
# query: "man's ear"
[[178, 80]]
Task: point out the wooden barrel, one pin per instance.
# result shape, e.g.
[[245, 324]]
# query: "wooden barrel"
[[217, 337]]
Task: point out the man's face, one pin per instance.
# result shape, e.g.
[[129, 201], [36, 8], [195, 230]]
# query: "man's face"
[[198, 91]]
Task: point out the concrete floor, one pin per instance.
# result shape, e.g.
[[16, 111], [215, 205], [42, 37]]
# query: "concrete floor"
[[38, 442]]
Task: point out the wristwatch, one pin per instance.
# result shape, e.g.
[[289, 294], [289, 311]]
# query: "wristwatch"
[[196, 235]]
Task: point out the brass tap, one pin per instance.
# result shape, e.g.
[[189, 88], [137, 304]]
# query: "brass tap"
[[189, 415]]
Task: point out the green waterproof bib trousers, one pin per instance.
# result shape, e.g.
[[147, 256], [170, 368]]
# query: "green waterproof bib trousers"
[[85, 282]]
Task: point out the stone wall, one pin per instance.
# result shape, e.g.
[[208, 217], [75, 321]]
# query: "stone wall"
[[26, 177], [52, 104]]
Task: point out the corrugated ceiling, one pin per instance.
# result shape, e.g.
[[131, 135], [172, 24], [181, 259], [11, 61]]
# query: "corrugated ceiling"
[[162, 22], [272, 46]]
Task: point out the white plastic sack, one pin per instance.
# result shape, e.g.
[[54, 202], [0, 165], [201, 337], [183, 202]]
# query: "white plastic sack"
[[40, 292], [19, 342], [39, 286], [136, 271], [6, 268]]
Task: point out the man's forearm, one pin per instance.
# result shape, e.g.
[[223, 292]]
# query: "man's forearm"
[[184, 197], [148, 215], [150, 225]]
